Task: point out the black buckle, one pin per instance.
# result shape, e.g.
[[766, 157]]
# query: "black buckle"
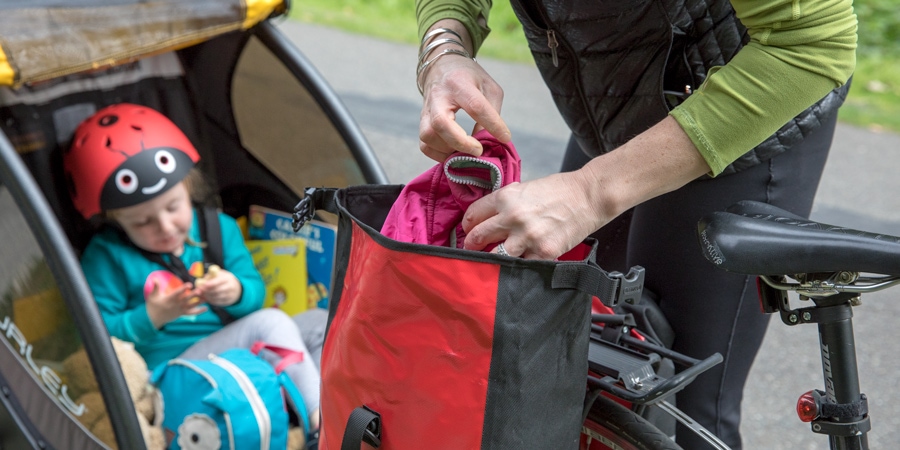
[[372, 435], [630, 286], [305, 209], [363, 425]]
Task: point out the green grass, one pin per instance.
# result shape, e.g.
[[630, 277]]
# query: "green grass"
[[874, 100], [395, 20]]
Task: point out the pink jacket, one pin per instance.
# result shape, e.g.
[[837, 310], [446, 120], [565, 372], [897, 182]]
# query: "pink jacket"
[[431, 207]]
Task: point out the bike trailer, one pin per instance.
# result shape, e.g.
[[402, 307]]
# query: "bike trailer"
[[265, 122]]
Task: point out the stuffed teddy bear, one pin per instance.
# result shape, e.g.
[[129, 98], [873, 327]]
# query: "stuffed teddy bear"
[[144, 395]]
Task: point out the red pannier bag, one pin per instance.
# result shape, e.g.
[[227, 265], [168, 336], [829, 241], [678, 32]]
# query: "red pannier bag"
[[444, 348]]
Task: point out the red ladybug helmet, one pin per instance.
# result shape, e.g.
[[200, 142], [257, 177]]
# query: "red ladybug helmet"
[[123, 155]]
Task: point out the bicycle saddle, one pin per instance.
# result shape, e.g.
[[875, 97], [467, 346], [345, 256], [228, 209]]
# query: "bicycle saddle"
[[756, 238]]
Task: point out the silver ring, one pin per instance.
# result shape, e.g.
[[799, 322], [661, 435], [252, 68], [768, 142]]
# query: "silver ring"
[[501, 250]]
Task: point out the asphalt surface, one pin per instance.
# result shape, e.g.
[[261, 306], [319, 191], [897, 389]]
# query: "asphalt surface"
[[376, 81]]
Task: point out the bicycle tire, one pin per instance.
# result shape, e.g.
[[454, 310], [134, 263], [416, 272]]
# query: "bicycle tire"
[[611, 426]]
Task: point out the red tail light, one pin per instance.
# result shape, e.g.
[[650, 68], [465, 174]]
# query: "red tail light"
[[808, 407]]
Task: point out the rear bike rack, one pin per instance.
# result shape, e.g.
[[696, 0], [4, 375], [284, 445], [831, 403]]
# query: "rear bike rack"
[[625, 367]]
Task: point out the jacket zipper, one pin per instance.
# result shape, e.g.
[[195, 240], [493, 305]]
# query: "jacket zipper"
[[471, 161], [553, 44]]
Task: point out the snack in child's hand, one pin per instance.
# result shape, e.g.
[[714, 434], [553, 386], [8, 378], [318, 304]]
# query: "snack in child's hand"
[[165, 280], [211, 273], [196, 269]]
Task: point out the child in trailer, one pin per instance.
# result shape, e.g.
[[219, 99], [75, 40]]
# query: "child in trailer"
[[134, 168]]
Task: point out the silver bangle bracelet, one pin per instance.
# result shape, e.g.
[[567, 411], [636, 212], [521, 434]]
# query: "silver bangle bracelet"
[[420, 71], [437, 42], [436, 32]]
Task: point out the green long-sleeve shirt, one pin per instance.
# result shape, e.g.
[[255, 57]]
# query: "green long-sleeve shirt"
[[799, 51]]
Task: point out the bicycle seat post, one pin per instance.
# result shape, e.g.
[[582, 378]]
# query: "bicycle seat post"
[[844, 414], [841, 412]]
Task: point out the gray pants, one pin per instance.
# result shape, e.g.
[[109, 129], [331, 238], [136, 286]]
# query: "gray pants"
[[304, 333]]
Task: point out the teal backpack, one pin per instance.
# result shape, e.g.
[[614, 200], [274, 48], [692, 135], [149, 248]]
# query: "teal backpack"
[[234, 400]]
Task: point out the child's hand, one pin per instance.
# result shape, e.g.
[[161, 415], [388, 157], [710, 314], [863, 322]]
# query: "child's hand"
[[219, 287], [166, 307]]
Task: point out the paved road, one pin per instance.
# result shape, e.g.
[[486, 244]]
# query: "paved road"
[[375, 79]]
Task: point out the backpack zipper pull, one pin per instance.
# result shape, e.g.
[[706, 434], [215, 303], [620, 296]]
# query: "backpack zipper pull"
[[552, 43]]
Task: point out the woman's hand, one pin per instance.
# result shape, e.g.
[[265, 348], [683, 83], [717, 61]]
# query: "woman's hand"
[[164, 308], [453, 82], [220, 288], [544, 218], [540, 219]]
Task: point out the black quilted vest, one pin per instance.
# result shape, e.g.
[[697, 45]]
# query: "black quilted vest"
[[616, 67]]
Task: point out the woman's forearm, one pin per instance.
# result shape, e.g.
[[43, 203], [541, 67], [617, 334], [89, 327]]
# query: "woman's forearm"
[[659, 160]]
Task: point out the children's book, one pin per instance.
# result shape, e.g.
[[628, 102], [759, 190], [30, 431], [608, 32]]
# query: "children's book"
[[320, 237], [270, 224], [282, 264]]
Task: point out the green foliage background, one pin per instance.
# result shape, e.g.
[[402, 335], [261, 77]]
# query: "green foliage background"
[[874, 100]]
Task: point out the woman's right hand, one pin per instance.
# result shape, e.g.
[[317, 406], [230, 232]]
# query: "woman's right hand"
[[181, 301], [453, 82]]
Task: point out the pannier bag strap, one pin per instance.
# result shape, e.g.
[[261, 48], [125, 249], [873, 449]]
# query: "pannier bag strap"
[[363, 425], [611, 288], [306, 209]]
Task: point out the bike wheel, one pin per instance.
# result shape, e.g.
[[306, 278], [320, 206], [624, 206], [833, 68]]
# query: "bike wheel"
[[611, 426]]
